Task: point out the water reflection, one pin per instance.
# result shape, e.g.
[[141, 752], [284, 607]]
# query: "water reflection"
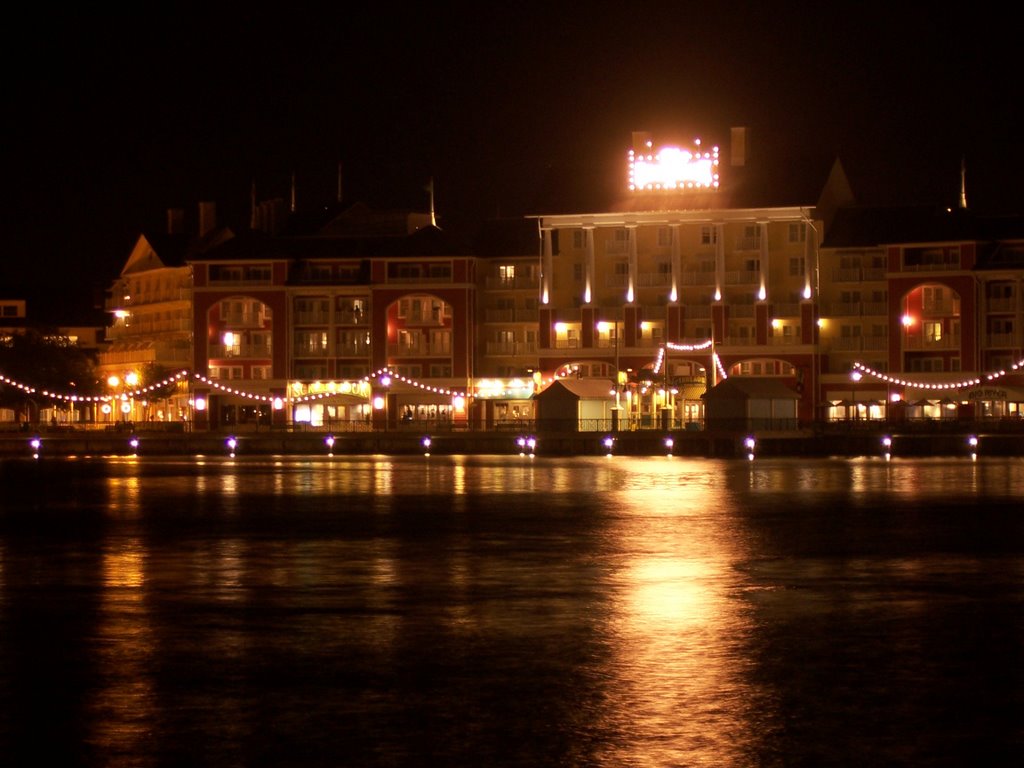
[[678, 693], [122, 711], [469, 611]]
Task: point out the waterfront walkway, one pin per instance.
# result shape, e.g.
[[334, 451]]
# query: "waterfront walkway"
[[866, 440]]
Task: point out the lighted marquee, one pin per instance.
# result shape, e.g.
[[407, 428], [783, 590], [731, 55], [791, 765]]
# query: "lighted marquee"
[[673, 168]]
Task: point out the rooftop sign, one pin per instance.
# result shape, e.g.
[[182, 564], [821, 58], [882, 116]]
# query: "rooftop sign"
[[673, 168]]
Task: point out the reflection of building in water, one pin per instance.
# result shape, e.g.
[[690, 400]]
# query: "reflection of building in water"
[[678, 637]]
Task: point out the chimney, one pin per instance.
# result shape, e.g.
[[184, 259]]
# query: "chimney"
[[207, 218], [175, 221], [641, 141], [739, 150]]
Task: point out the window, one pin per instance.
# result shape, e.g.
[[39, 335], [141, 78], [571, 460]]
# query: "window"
[[579, 239], [440, 371], [664, 237], [797, 265], [261, 372], [622, 268], [933, 331], [708, 235], [577, 272], [507, 273], [351, 310], [310, 342], [797, 232], [353, 343]]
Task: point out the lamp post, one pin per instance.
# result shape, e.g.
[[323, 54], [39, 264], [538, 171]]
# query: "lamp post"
[[605, 327], [854, 378]]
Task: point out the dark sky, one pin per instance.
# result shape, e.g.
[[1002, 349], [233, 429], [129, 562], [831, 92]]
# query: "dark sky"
[[113, 118]]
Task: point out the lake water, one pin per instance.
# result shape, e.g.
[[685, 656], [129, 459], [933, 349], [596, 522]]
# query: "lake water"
[[508, 611]]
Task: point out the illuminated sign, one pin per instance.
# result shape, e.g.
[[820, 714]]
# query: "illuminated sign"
[[515, 389], [673, 168]]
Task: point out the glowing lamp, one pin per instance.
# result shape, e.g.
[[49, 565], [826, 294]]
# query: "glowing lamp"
[[278, 404], [378, 403]]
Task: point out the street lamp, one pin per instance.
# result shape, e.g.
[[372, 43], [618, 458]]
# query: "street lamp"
[[855, 376]]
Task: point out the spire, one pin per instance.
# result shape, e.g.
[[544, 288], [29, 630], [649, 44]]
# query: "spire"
[[963, 185], [430, 190], [293, 193]]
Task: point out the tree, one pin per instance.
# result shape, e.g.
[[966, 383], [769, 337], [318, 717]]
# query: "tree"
[[43, 361]]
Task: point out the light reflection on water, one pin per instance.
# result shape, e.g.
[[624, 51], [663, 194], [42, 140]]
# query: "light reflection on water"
[[511, 611]]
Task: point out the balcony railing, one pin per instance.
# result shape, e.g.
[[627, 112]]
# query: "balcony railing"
[[789, 309], [846, 275], [221, 351], [423, 349], [876, 342], [918, 342], [1002, 304], [743, 277], [875, 308], [312, 318], [1001, 340], [511, 348], [515, 283], [511, 315]]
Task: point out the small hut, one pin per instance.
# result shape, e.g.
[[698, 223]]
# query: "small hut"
[[748, 403], [575, 405]]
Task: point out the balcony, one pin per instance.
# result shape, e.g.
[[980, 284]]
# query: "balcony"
[[351, 317], [312, 318], [743, 277], [1001, 340], [875, 343], [257, 351], [846, 275], [511, 315], [875, 308], [697, 278], [511, 348], [513, 284], [1002, 304], [422, 349], [918, 342], [653, 279], [789, 309], [847, 344]]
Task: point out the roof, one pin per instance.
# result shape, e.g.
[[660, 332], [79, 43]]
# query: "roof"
[[861, 227], [428, 241], [752, 388], [766, 181], [584, 389]]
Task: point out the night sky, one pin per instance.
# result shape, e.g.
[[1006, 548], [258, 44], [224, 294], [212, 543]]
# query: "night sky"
[[114, 118]]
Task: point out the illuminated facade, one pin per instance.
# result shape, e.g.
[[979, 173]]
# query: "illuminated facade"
[[150, 331], [699, 271], [921, 299]]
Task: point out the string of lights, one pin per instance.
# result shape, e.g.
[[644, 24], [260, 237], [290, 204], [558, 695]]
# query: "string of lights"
[[962, 384]]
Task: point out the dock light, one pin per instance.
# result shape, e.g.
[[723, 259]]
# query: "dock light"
[[526, 444], [749, 444], [232, 443], [329, 440], [426, 446], [36, 444], [669, 443], [134, 443], [887, 447], [972, 441], [608, 443]]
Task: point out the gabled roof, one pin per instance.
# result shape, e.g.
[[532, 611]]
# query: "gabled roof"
[[862, 227], [751, 388], [585, 389]]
